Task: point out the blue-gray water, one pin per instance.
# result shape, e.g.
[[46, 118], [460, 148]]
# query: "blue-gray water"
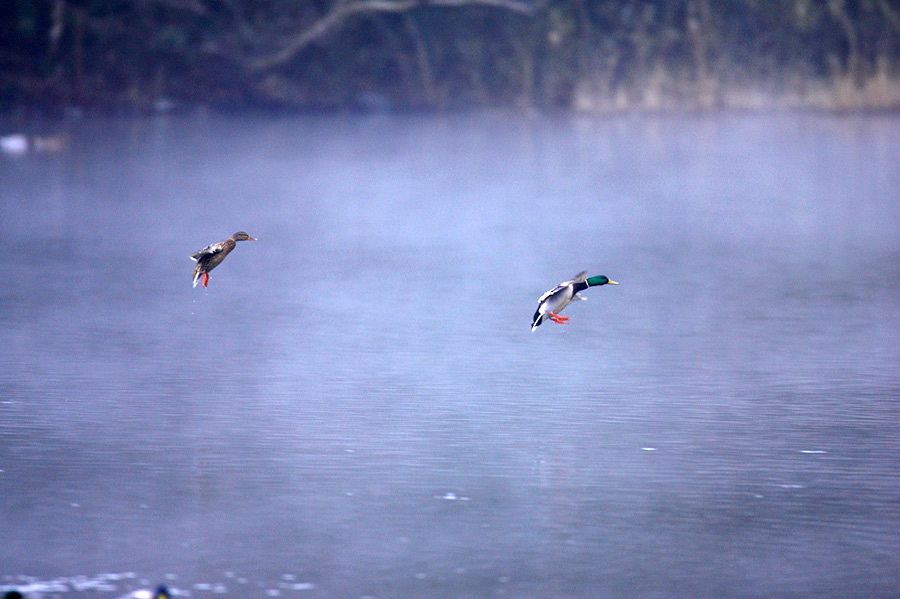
[[356, 406]]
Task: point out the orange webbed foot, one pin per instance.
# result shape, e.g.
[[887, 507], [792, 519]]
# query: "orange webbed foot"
[[205, 278], [558, 319]]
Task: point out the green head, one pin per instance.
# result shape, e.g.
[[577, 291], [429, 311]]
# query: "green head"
[[600, 280]]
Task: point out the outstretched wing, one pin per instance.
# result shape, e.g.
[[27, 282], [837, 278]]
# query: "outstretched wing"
[[551, 292], [210, 250], [580, 277]]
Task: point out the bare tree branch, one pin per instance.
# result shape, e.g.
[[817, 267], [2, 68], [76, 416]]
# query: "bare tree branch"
[[342, 11], [890, 14], [523, 7], [426, 73], [326, 24]]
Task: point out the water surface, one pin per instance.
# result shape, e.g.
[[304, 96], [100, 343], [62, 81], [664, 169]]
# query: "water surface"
[[356, 406]]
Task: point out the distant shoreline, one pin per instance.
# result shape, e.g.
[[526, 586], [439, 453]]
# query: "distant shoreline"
[[667, 97], [441, 56]]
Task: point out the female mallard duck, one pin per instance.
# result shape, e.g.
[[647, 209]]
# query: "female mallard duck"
[[551, 303], [212, 255]]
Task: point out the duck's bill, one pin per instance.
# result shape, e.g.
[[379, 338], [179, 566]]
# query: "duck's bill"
[[613, 283]]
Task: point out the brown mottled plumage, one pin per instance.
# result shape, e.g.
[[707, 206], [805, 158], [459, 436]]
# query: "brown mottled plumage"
[[212, 255]]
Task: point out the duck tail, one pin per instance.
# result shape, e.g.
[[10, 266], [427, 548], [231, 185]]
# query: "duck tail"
[[197, 274]]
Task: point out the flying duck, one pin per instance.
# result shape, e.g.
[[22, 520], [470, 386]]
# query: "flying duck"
[[551, 303], [212, 255]]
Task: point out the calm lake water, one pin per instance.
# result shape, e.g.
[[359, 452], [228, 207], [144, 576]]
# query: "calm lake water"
[[356, 406]]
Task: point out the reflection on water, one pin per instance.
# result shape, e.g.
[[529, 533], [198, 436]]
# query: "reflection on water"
[[358, 407]]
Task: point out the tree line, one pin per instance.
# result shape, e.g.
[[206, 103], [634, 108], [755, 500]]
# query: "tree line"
[[137, 55]]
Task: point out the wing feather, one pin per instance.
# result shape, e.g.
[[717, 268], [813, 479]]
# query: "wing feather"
[[551, 292], [209, 250], [582, 276]]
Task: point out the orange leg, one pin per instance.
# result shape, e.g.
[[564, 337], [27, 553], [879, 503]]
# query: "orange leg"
[[558, 319], [205, 278]]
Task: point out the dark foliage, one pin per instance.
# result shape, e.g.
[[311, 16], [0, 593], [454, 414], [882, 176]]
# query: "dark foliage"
[[137, 55]]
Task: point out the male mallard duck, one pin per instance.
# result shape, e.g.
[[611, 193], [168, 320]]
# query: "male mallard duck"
[[551, 303], [212, 255]]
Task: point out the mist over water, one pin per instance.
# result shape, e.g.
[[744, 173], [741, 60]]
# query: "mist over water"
[[356, 405]]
